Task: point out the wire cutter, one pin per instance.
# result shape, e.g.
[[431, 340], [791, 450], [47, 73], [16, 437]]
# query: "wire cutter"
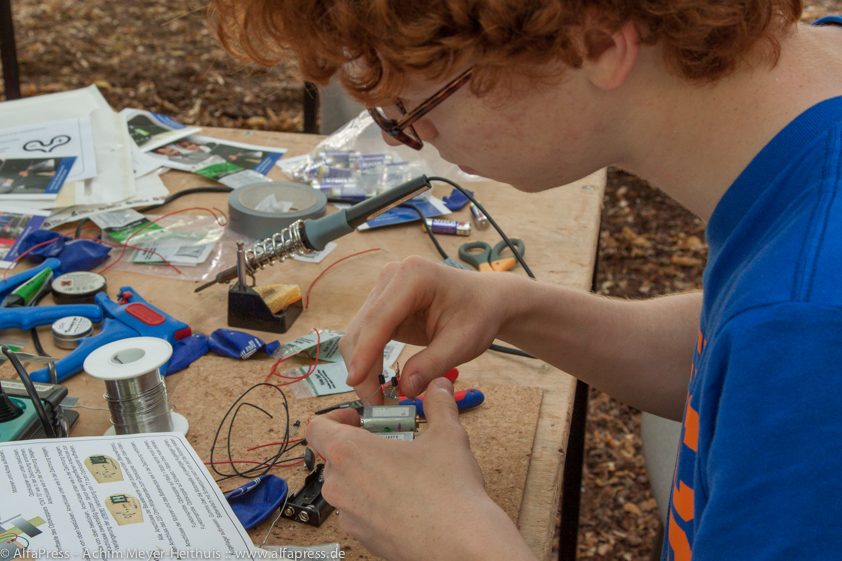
[[490, 260]]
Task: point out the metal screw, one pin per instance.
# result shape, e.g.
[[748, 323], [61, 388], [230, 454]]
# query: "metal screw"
[[303, 516], [289, 511]]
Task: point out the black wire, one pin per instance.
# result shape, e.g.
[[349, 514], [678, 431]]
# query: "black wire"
[[409, 206], [171, 198], [79, 227], [428, 230], [509, 350], [30, 389], [493, 347], [263, 467], [36, 340], [491, 220], [191, 191]]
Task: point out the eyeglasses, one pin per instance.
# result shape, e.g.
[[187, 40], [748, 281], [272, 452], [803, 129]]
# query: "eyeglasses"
[[402, 129]]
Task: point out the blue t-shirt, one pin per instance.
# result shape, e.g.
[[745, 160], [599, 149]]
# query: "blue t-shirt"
[[758, 470]]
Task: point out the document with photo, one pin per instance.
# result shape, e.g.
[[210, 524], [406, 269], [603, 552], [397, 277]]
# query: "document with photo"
[[153, 130], [67, 137], [15, 224], [33, 178], [234, 164]]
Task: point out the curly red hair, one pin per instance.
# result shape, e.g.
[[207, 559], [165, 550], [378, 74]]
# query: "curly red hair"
[[372, 46]]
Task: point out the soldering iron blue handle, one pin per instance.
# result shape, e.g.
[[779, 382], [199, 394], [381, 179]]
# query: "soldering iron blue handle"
[[112, 330], [33, 316]]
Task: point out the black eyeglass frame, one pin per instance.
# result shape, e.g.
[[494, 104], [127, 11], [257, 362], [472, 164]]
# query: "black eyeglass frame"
[[397, 128]]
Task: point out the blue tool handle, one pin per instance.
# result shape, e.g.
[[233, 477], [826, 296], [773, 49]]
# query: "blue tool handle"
[[33, 316], [11, 283], [112, 330], [465, 399]]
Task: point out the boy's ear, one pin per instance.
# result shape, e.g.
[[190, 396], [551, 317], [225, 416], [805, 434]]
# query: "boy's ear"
[[610, 56]]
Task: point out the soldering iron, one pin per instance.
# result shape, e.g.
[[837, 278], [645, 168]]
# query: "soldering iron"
[[303, 237]]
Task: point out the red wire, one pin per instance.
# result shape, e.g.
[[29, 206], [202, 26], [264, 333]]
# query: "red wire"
[[307, 297], [19, 257], [310, 369], [222, 220], [164, 259]]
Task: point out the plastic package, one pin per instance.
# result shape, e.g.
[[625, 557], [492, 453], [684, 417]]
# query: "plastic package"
[[355, 162], [208, 246]]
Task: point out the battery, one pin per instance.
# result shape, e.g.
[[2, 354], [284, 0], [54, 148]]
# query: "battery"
[[451, 227], [389, 418], [79, 287], [480, 219]]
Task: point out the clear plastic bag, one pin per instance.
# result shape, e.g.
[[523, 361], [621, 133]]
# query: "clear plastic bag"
[[355, 162], [197, 246]]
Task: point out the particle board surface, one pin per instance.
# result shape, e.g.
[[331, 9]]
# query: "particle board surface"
[[501, 432]]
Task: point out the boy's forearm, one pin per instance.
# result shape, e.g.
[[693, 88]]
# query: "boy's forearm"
[[640, 352]]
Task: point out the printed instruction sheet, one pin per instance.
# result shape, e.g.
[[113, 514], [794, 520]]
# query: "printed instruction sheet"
[[140, 496]]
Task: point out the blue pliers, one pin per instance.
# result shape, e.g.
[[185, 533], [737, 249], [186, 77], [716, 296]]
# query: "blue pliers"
[[130, 316]]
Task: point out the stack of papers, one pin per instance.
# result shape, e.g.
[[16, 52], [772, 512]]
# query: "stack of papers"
[[69, 155]]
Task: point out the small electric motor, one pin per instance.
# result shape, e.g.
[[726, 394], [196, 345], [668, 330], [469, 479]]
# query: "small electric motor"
[[395, 422]]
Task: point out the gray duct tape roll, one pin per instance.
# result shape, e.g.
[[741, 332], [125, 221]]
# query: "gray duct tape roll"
[[244, 218]]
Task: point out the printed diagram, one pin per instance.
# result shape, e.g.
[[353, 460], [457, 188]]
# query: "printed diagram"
[[16, 533], [125, 509], [104, 468]]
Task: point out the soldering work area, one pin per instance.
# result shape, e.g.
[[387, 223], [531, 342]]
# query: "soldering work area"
[[198, 331]]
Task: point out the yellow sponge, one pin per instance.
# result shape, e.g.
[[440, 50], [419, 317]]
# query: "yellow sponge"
[[278, 296]]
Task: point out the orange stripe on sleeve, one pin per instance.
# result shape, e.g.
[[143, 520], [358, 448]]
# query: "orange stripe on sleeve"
[[691, 427], [678, 542], [683, 500]]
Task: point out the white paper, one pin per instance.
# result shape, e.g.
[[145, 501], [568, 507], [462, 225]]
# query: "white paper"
[[142, 163], [68, 137], [111, 138], [329, 379], [189, 255], [115, 176], [150, 191], [316, 256], [140, 496]]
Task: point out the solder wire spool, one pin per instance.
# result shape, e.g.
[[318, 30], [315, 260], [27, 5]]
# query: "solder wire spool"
[[245, 218], [134, 388]]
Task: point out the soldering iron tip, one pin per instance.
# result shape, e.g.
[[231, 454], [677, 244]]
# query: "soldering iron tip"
[[206, 285]]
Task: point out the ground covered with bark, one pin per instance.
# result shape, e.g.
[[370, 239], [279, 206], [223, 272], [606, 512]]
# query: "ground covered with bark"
[[160, 56]]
